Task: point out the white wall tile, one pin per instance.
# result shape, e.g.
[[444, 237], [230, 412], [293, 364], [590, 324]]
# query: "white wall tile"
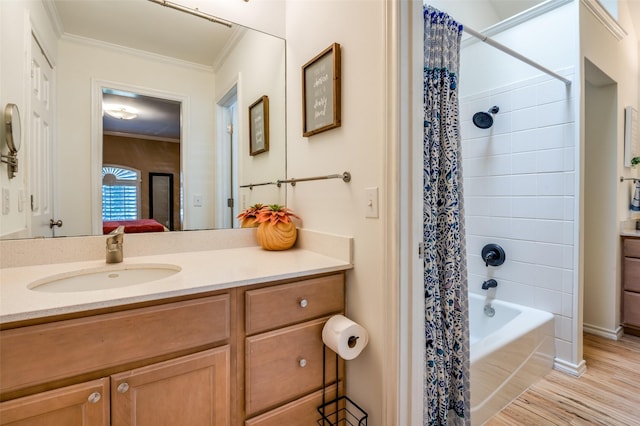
[[524, 163], [548, 278], [521, 187], [551, 184], [524, 185], [548, 300], [563, 349], [551, 160]]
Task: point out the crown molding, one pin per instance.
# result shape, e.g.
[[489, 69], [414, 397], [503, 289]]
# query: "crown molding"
[[605, 18], [135, 52]]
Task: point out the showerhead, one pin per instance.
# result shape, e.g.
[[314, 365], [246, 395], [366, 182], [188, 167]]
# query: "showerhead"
[[484, 120]]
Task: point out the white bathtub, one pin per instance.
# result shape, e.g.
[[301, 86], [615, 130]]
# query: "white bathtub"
[[509, 352]]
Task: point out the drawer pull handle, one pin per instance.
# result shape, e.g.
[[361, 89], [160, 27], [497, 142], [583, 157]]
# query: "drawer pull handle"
[[94, 397], [302, 362], [123, 387], [304, 303]]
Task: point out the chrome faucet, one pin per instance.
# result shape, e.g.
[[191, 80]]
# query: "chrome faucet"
[[114, 245]]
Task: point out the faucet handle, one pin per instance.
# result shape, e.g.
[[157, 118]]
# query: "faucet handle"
[[118, 230]]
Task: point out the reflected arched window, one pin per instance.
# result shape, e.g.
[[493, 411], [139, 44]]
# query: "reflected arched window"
[[120, 193]]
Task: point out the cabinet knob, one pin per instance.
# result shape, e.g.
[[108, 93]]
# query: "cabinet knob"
[[304, 303], [123, 387], [94, 397], [302, 362]]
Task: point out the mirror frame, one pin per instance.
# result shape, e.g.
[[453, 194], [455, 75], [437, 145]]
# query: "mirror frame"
[[97, 85]]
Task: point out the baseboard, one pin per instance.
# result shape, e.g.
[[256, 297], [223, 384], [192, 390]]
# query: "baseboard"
[[563, 366], [603, 332]]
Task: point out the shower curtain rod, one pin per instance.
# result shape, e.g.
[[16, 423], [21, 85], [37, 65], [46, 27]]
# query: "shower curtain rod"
[[513, 53]]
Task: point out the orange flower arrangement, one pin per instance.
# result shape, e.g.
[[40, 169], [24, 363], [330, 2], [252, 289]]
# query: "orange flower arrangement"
[[275, 213], [276, 230], [248, 218]]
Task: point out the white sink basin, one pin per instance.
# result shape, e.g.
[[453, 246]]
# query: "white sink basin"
[[104, 277]]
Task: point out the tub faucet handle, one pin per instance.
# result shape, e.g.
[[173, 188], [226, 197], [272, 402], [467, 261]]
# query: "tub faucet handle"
[[489, 284]]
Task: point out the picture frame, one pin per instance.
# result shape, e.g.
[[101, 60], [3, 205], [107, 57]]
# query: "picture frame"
[[321, 92], [259, 126]]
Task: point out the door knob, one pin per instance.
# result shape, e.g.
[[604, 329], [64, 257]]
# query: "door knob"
[[57, 223]]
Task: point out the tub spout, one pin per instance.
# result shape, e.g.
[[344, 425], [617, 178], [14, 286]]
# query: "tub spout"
[[489, 284]]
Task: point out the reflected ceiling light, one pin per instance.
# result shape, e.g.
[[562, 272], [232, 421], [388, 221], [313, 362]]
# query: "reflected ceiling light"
[[121, 112]]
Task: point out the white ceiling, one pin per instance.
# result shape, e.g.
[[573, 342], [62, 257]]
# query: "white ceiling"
[[148, 27]]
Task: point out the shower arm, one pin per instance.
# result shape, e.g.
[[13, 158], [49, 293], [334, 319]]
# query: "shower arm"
[[513, 53]]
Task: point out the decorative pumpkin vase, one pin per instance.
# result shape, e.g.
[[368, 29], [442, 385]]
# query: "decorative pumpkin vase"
[[280, 236], [249, 223]]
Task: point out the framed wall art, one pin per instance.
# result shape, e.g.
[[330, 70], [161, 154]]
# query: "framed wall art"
[[259, 126], [321, 83]]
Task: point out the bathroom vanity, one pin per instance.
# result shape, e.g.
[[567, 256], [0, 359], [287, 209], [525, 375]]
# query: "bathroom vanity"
[[245, 350], [631, 284]]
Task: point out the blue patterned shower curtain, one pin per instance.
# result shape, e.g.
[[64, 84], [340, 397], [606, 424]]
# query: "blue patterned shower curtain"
[[446, 387]]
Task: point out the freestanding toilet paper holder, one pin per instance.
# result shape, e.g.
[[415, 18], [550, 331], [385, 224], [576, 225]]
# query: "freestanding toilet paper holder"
[[341, 410]]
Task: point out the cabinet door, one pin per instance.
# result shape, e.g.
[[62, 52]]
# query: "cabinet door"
[[85, 404], [192, 390]]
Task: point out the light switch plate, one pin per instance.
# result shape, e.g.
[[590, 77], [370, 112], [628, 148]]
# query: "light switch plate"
[[6, 198], [197, 201], [371, 200]]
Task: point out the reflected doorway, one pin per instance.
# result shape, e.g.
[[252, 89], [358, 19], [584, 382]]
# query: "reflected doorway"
[[227, 149], [144, 132]]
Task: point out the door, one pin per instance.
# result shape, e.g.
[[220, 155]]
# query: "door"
[[85, 404], [40, 144], [192, 390], [227, 174]]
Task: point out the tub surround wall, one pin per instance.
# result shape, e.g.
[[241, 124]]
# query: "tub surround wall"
[[520, 193]]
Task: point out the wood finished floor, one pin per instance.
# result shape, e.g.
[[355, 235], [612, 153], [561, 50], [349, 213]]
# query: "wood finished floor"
[[607, 394]]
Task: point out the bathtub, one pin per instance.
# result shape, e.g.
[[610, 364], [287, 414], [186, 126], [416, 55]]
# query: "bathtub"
[[509, 352]]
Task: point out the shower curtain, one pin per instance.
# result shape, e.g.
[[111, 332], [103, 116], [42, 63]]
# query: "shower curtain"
[[446, 386]]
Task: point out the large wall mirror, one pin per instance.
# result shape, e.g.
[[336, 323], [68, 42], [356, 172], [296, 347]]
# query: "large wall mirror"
[[140, 86]]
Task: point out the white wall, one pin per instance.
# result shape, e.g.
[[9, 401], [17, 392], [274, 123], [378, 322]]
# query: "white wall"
[[17, 18], [80, 64], [619, 61], [357, 146], [257, 64]]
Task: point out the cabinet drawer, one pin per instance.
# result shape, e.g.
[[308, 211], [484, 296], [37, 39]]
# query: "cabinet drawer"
[[284, 365], [632, 247], [631, 308], [278, 306], [632, 274], [43, 353], [303, 411]]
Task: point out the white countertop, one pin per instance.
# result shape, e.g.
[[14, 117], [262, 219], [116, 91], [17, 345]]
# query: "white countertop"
[[202, 271], [628, 228]]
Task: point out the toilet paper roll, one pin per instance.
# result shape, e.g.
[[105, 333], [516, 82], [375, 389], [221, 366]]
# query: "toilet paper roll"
[[344, 337]]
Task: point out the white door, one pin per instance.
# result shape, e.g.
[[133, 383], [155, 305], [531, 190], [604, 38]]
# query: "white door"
[[40, 146], [226, 176]]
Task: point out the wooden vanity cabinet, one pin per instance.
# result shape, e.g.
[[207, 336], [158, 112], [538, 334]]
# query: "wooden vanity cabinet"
[[156, 365], [631, 284], [284, 349], [244, 356]]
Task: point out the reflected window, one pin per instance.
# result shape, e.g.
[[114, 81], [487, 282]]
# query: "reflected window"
[[120, 193]]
